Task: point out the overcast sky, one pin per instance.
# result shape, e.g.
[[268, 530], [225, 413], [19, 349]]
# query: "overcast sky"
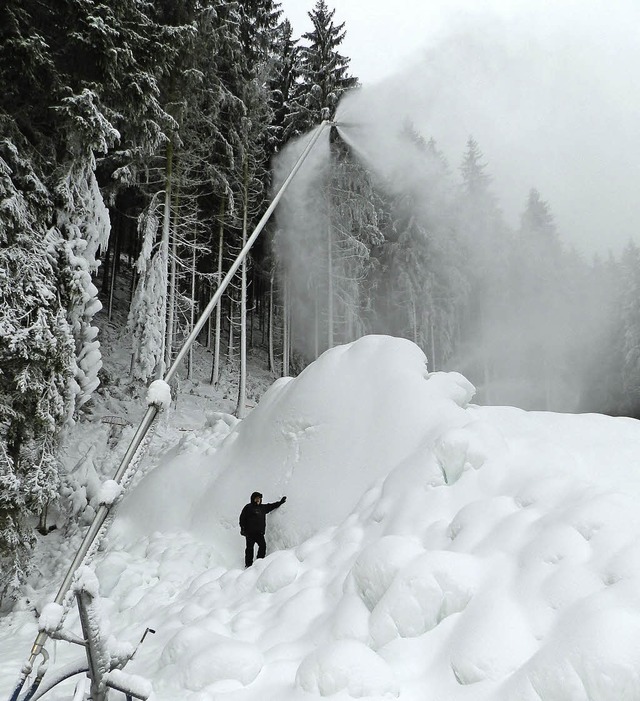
[[549, 88]]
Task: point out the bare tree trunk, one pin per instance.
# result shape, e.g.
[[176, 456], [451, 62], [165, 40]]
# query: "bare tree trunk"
[[209, 288], [272, 362], [485, 360], [106, 263], [351, 323], [547, 382], [172, 301], [132, 286], [166, 226], [433, 344], [285, 329], [230, 348], [42, 521], [316, 329], [414, 320], [291, 330], [264, 317], [251, 322], [329, 290], [115, 255], [215, 370], [242, 385], [192, 311]]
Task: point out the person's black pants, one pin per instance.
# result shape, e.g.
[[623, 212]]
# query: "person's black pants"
[[253, 540]]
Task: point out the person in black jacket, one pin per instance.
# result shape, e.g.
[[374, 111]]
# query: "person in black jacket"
[[253, 523]]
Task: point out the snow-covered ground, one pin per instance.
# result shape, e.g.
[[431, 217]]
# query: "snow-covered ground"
[[429, 548]]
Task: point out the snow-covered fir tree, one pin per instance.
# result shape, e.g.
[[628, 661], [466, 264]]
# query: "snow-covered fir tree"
[[36, 362], [354, 211], [422, 283], [286, 71], [82, 230], [484, 235], [324, 73], [539, 295]]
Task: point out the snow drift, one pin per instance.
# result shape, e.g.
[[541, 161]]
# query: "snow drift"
[[429, 548], [322, 439]]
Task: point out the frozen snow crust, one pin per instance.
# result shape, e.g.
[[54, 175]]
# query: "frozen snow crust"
[[428, 549]]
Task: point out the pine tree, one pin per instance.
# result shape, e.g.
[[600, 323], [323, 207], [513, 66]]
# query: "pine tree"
[[353, 231], [286, 71], [212, 156], [537, 220], [423, 285], [541, 298], [259, 31], [79, 106], [483, 234], [36, 361], [82, 230], [409, 296], [324, 73], [86, 72], [154, 296], [147, 312], [600, 343]]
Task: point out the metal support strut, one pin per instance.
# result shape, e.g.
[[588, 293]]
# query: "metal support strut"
[[152, 411]]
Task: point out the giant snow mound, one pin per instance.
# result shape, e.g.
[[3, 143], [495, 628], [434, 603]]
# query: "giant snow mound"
[[322, 439], [429, 548]]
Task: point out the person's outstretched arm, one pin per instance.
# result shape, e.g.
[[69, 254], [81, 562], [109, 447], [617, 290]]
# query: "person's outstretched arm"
[[270, 507]]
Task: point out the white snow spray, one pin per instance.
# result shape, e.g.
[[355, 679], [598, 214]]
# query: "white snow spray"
[[540, 98]]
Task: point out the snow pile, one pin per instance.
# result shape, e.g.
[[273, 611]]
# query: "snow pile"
[[110, 490], [429, 548], [322, 439], [159, 395], [51, 617]]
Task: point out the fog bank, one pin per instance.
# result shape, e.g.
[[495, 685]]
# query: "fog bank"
[[547, 89]]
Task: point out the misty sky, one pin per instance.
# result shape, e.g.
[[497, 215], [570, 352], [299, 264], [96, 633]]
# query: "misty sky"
[[548, 88]]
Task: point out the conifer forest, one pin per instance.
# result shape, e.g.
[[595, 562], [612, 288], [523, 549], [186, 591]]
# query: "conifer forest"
[[137, 151]]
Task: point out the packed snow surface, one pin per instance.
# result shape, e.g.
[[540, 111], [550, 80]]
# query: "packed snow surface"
[[428, 549]]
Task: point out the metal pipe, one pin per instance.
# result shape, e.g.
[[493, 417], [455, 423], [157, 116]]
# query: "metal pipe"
[[96, 525], [152, 411], [97, 656], [60, 675]]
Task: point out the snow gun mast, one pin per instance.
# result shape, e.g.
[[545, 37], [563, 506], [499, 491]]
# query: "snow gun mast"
[[102, 679]]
